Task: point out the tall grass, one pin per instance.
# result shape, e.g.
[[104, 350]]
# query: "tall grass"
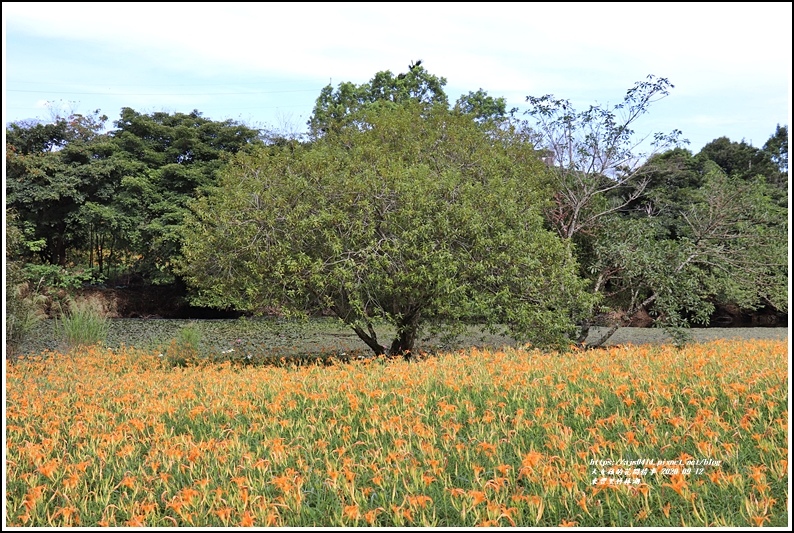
[[85, 323], [24, 310], [642, 436]]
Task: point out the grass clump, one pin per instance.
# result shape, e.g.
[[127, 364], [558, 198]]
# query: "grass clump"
[[85, 323], [24, 311]]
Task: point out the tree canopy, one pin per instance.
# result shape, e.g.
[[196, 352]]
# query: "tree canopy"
[[335, 108], [664, 232], [412, 216], [85, 192]]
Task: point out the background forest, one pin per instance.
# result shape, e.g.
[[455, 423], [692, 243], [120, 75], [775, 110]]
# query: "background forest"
[[400, 206]]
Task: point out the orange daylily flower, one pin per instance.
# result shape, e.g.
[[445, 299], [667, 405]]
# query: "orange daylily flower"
[[477, 497], [136, 521], [48, 468], [224, 513], [758, 521], [247, 520], [372, 515]]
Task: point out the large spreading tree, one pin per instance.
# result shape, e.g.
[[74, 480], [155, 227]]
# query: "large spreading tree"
[[409, 212]]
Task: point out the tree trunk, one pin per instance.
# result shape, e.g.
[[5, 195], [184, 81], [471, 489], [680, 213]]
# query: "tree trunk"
[[626, 318], [403, 342], [370, 339], [585, 331]]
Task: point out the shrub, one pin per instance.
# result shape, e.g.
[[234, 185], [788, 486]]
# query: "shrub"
[[186, 349]]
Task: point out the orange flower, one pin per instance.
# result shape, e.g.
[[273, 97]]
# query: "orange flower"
[[529, 462], [48, 468], [147, 508], [136, 521], [477, 497], [33, 495], [68, 513], [488, 448], [187, 494], [351, 512], [71, 481], [566, 523], [704, 447], [629, 401], [757, 473], [224, 513], [419, 501], [678, 484], [503, 469], [583, 503], [372, 515], [759, 520], [247, 519]]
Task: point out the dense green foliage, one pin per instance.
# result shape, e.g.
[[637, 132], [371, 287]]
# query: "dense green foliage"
[[726, 245], [51, 174], [409, 214], [115, 198], [665, 232], [335, 108], [405, 208]]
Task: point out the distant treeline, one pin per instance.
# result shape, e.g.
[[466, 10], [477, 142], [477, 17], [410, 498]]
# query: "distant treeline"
[[670, 235]]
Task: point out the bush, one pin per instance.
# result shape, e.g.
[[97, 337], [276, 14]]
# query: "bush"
[[84, 324], [186, 349]]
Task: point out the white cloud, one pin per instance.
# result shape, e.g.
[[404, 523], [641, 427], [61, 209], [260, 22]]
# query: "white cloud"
[[466, 42], [581, 51]]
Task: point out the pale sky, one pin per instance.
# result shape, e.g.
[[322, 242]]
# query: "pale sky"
[[265, 64]]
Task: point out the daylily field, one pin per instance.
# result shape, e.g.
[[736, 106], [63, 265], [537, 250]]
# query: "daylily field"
[[624, 436]]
